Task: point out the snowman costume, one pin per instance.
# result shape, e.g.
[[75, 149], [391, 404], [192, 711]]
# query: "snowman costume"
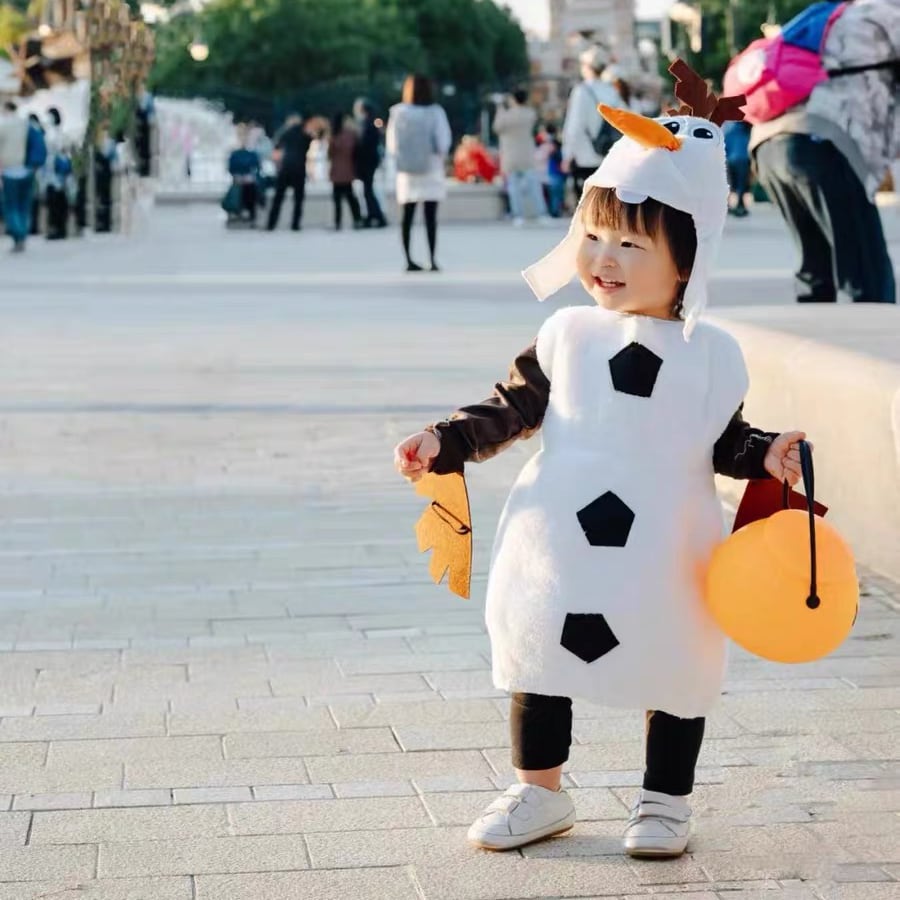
[[595, 585]]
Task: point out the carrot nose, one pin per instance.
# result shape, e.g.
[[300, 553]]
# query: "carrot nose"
[[646, 132]]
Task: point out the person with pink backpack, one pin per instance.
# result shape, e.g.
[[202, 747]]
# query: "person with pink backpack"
[[822, 98]]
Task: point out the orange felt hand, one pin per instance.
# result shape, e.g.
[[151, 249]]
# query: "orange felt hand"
[[445, 528]]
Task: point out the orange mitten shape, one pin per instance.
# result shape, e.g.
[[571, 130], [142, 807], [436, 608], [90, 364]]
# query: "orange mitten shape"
[[445, 528]]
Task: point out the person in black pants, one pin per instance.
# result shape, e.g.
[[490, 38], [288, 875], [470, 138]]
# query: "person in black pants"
[[368, 159], [836, 228], [293, 142]]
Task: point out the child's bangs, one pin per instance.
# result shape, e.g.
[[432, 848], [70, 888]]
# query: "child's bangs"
[[603, 209]]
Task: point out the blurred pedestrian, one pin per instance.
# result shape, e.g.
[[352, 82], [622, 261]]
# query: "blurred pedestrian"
[[822, 162], [293, 143], [244, 168], [586, 135], [341, 159], [418, 136], [514, 125], [369, 152], [17, 177], [556, 178], [737, 158], [57, 177]]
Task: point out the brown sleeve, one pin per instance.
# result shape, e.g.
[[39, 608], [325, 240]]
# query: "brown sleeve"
[[514, 411], [741, 450]]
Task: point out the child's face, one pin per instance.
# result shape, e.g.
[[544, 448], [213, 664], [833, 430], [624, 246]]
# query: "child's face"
[[628, 272]]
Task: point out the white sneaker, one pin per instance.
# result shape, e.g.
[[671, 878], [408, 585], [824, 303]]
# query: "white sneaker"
[[660, 825], [523, 814], [518, 222]]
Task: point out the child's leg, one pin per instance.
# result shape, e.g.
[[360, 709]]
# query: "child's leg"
[[673, 746], [541, 734], [660, 822], [537, 807]]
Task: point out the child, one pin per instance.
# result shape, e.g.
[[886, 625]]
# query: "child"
[[595, 582]]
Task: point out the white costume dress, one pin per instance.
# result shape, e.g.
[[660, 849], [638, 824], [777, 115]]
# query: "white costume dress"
[[598, 564], [603, 602]]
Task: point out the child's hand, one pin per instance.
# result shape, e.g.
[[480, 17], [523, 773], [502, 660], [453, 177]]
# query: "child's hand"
[[413, 457], [783, 459]]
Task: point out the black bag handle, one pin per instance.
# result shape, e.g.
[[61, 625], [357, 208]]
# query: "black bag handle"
[[809, 483]]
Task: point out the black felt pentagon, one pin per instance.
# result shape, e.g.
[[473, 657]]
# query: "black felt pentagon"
[[588, 636], [606, 521], [634, 370]]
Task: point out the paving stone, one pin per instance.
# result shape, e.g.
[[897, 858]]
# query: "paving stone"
[[327, 815], [212, 795], [374, 789], [860, 872], [41, 863], [109, 825], [397, 847], [107, 889], [293, 792], [447, 783], [189, 856], [147, 774], [857, 891], [251, 720], [14, 828], [382, 665], [67, 709], [310, 743], [379, 884], [119, 799], [488, 876], [60, 779], [57, 728], [453, 736], [392, 766], [416, 713], [52, 801], [88, 753]]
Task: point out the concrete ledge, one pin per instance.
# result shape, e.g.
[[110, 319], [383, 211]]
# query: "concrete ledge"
[[843, 387], [464, 203]]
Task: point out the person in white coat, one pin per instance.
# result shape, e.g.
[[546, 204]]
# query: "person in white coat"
[[593, 590], [582, 123], [418, 137]]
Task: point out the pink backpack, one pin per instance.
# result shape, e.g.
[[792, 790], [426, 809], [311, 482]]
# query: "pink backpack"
[[780, 72]]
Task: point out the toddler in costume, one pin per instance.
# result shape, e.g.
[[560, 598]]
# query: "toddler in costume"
[[595, 587]]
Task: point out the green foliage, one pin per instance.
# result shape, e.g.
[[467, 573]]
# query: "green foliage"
[[745, 18], [286, 49], [13, 27]]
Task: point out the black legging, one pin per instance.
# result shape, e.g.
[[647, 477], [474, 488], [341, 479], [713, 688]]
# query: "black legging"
[[541, 734], [409, 212], [345, 192]]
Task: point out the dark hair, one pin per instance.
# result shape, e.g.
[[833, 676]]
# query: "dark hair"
[[9, 106], [551, 128], [520, 96], [601, 206], [337, 123], [54, 115], [417, 90], [624, 89]]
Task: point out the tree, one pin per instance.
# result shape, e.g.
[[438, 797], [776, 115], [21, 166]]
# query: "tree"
[[729, 25], [276, 50]]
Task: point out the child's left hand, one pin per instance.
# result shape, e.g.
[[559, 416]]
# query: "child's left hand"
[[783, 459]]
